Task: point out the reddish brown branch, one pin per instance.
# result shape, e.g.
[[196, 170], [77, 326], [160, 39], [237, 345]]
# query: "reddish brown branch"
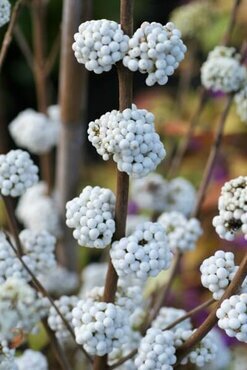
[[24, 47], [13, 226], [9, 34]]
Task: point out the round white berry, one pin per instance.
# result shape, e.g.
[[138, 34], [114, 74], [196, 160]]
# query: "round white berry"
[[91, 215], [182, 233], [99, 44], [31, 360], [100, 327], [232, 316], [143, 254], [232, 207], [34, 131], [5, 9], [222, 70], [17, 173], [129, 137], [156, 351], [156, 50]]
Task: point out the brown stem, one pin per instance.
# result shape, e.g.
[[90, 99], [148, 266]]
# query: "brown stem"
[[13, 226], [72, 100], [233, 17], [39, 45], [51, 59], [124, 359], [190, 313], [212, 157], [56, 347], [125, 101], [24, 47], [183, 145], [211, 320], [9, 34]]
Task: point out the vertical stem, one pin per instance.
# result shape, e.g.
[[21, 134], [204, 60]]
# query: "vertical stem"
[[39, 36], [227, 37], [125, 101], [10, 213], [72, 99]]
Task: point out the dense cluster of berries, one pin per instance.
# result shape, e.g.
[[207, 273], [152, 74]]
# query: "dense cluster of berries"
[[100, 326], [92, 216], [40, 247], [232, 316], [130, 138], [38, 211], [203, 353], [31, 360], [21, 306], [156, 50], [100, 44], [134, 339], [223, 356], [192, 19], [133, 221], [7, 360], [217, 272], [150, 192], [5, 9], [34, 131], [156, 351], [181, 196], [232, 209], [167, 315], [143, 254], [65, 305], [182, 233], [93, 275], [17, 173], [59, 281], [222, 70], [241, 103], [10, 265]]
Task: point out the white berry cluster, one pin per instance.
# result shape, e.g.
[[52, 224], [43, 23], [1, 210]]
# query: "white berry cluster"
[[93, 275], [133, 221], [31, 360], [193, 19], [10, 265], [17, 173], [130, 138], [100, 44], [150, 192], [91, 215], [38, 211], [232, 316], [20, 307], [241, 103], [156, 50], [156, 351], [5, 9], [143, 254], [7, 360], [40, 247], [167, 315], [34, 131], [223, 356], [65, 304], [59, 281], [134, 339], [182, 233], [222, 70], [204, 352], [232, 207], [181, 196], [217, 272], [100, 327]]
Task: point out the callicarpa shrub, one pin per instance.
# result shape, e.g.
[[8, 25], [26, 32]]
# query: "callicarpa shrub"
[[119, 312]]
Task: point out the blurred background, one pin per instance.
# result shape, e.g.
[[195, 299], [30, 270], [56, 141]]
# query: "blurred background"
[[203, 27]]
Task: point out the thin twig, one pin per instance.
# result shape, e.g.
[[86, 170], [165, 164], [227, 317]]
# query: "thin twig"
[[211, 320], [9, 33], [125, 101], [191, 313], [13, 226], [51, 59], [124, 359], [232, 23], [24, 47]]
